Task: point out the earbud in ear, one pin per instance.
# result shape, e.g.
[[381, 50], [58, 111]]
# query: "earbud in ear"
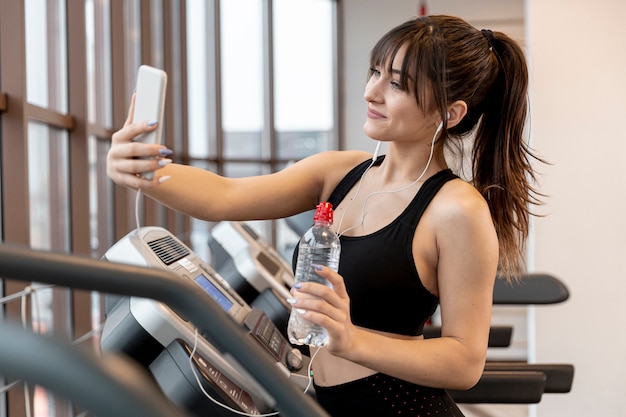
[[440, 125]]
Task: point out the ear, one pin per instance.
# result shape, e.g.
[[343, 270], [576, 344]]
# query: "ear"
[[457, 111]]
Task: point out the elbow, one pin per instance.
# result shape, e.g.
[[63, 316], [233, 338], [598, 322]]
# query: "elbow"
[[470, 377]]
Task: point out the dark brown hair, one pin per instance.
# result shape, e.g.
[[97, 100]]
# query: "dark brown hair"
[[446, 60]]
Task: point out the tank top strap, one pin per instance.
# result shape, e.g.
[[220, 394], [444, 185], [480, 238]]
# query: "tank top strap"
[[425, 195], [351, 178]]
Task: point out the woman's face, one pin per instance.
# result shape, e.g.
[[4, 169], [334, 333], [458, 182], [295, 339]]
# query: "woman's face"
[[393, 113]]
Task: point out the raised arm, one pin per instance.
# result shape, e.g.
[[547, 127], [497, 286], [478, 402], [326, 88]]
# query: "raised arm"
[[205, 195]]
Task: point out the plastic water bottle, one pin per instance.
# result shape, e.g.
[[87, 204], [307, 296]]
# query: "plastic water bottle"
[[318, 246]]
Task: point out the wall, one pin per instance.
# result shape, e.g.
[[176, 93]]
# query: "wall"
[[578, 72]]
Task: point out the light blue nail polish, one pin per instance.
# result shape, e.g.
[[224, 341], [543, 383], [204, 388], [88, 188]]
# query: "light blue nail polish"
[[152, 123], [165, 151], [317, 267], [164, 162], [297, 285], [291, 300]]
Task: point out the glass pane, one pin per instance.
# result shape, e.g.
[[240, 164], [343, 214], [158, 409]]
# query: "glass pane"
[[100, 198], [48, 188], [303, 77], [239, 144], [238, 170], [200, 110], [242, 75], [132, 44], [98, 36], [297, 144], [46, 54], [48, 162]]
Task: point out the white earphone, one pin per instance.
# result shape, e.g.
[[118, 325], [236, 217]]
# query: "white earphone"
[[358, 188], [376, 151], [440, 125]]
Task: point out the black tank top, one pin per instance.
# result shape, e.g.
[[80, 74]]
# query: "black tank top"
[[386, 292]]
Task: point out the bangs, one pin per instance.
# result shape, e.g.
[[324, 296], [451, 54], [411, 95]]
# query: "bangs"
[[422, 67]]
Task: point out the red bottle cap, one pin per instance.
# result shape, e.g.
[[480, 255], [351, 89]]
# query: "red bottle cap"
[[324, 212]]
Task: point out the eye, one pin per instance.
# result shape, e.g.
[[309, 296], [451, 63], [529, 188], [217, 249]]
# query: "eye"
[[374, 72], [396, 85]]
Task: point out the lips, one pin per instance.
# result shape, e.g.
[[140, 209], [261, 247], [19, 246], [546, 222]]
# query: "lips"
[[373, 114]]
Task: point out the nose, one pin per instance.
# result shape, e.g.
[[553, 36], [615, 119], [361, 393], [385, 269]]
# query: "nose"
[[372, 90]]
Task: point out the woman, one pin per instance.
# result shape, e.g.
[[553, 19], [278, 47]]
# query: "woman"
[[413, 234]]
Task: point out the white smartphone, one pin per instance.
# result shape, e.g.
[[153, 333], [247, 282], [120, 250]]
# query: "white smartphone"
[[150, 104]]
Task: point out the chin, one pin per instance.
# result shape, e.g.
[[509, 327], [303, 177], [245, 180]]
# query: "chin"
[[371, 133]]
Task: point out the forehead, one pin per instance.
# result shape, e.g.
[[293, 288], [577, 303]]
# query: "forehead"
[[398, 59]]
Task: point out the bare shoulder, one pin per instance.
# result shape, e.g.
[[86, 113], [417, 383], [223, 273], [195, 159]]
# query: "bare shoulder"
[[457, 198], [460, 211]]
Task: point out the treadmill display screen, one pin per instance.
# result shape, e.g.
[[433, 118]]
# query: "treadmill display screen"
[[214, 292]]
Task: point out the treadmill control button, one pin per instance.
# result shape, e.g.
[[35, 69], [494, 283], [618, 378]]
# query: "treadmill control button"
[[294, 360]]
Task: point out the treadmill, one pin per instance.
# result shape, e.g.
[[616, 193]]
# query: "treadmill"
[[185, 364]]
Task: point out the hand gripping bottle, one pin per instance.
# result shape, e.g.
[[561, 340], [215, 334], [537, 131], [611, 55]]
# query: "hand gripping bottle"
[[318, 246]]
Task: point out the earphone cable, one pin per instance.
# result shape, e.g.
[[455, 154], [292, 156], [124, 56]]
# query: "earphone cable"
[[137, 204], [430, 158]]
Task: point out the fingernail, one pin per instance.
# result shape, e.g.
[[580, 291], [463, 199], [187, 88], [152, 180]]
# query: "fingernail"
[[297, 285], [317, 267], [165, 151], [164, 178], [164, 161], [152, 123], [291, 300]]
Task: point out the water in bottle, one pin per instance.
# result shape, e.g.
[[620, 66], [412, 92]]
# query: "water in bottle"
[[318, 246]]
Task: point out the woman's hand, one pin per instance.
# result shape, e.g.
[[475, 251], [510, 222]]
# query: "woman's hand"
[[328, 307], [127, 159]]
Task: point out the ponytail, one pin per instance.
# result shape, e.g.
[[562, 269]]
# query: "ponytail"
[[501, 163]]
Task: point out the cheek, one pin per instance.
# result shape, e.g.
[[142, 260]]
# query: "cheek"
[[408, 119]]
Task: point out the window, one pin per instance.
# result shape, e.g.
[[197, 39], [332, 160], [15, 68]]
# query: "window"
[[239, 102], [263, 97]]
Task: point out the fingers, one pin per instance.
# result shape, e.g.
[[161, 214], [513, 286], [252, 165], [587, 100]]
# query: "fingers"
[[335, 279], [131, 130], [137, 165], [131, 110], [321, 298], [128, 157], [134, 180]]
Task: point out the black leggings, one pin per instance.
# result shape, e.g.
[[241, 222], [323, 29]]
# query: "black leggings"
[[382, 395]]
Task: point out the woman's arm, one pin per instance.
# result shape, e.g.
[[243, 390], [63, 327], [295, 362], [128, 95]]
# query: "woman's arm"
[[205, 195]]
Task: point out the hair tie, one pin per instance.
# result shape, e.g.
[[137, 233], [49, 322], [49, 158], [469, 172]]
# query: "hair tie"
[[488, 34]]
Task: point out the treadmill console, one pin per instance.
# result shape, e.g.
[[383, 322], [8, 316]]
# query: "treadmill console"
[[133, 323]]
